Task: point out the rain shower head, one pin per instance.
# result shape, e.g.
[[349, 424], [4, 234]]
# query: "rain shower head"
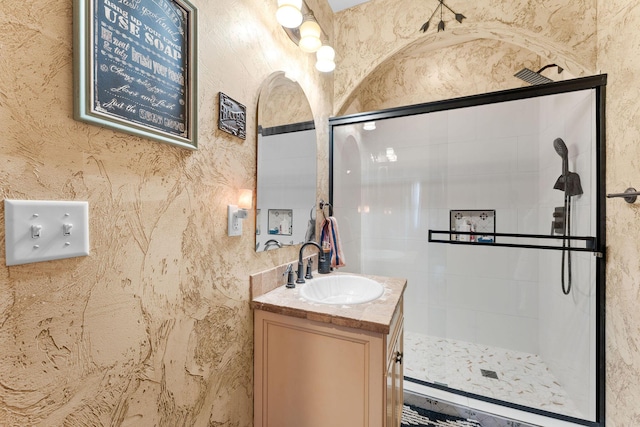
[[535, 78]]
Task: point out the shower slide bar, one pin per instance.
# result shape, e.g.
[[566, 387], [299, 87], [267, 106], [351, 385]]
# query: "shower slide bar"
[[589, 242]]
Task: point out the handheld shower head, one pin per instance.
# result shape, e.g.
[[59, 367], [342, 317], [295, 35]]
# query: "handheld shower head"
[[569, 182], [561, 148], [563, 152]]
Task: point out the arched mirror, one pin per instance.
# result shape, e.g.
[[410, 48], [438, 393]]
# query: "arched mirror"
[[286, 182]]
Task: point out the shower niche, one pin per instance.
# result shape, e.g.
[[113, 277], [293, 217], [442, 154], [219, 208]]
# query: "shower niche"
[[522, 296], [480, 223]]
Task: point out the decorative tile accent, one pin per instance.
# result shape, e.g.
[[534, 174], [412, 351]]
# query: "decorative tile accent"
[[481, 221]]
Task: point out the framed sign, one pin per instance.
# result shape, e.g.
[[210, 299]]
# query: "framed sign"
[[232, 117], [135, 65]]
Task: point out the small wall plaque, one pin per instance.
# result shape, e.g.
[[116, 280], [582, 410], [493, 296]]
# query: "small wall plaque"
[[232, 117]]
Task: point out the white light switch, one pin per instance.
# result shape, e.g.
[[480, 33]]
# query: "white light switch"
[[44, 230]]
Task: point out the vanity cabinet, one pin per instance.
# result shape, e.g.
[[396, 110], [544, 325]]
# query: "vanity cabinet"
[[316, 374]]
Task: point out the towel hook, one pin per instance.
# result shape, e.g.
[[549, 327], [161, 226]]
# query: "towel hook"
[[322, 206]]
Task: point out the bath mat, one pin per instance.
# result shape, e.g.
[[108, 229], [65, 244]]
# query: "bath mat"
[[413, 416]]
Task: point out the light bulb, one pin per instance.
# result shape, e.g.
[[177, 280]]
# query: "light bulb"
[[310, 36], [325, 59], [289, 13]]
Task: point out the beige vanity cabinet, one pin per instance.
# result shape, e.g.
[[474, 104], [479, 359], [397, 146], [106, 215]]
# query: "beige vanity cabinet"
[[310, 373]]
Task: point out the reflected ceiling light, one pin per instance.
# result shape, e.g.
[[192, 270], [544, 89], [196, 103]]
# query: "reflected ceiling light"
[[369, 126], [289, 13], [325, 57], [310, 35]]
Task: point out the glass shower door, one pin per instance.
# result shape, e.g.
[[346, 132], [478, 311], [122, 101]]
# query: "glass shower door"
[[462, 203]]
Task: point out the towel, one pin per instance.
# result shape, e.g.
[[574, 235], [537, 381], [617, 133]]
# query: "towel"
[[330, 234]]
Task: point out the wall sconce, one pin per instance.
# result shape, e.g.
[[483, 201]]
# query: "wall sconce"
[[307, 34], [236, 213]]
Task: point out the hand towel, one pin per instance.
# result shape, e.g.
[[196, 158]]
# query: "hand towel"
[[330, 234]]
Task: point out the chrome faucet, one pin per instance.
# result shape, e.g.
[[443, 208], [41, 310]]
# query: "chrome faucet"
[[300, 278]]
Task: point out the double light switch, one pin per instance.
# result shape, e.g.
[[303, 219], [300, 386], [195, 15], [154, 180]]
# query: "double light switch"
[[38, 230]]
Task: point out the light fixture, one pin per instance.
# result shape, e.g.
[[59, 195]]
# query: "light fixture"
[[236, 213], [310, 35], [289, 13], [459, 17], [369, 126], [325, 59], [307, 33]]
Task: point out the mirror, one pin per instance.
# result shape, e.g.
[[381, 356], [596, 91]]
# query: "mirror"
[[286, 181]]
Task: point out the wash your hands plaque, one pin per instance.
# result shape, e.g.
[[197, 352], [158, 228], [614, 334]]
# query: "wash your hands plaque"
[[135, 61]]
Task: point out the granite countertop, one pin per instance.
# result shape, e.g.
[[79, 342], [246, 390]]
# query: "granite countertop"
[[374, 316]]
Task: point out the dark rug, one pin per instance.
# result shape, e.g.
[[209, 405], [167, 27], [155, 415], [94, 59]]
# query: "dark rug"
[[413, 416]]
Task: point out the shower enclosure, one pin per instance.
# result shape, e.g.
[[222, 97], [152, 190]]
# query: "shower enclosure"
[[492, 206]]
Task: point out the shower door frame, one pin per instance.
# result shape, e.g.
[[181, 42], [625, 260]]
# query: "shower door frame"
[[598, 84]]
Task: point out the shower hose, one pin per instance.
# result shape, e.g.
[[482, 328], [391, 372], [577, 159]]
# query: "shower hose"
[[566, 245]]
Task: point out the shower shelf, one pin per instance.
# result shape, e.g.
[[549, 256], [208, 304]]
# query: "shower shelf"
[[589, 242]]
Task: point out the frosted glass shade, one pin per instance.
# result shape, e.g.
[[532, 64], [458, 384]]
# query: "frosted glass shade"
[[325, 59], [310, 36], [289, 13], [245, 200]]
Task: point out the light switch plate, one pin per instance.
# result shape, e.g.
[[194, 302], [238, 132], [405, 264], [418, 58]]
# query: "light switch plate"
[[44, 230]]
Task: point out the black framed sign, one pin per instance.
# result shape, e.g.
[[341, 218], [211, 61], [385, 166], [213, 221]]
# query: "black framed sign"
[[135, 64]]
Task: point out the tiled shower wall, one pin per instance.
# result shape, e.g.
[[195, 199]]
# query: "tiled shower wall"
[[567, 326], [500, 156]]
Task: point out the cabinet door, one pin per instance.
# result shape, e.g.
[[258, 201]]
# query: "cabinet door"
[[395, 373]]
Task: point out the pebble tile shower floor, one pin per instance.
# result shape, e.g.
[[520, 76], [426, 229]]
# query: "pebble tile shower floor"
[[523, 378]]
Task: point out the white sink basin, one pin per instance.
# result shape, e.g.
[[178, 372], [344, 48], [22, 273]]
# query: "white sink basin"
[[341, 289]]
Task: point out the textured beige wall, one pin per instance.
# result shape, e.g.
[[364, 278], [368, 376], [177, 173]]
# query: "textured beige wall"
[[558, 31], [618, 38], [413, 77], [154, 327], [282, 102]]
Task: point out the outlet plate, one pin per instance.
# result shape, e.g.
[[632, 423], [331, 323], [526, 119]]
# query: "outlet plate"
[[45, 230]]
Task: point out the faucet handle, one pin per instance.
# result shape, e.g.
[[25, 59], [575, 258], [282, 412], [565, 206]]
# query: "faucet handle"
[[289, 273], [309, 275]]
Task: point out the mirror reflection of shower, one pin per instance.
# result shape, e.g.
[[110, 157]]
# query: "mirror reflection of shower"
[[569, 183]]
